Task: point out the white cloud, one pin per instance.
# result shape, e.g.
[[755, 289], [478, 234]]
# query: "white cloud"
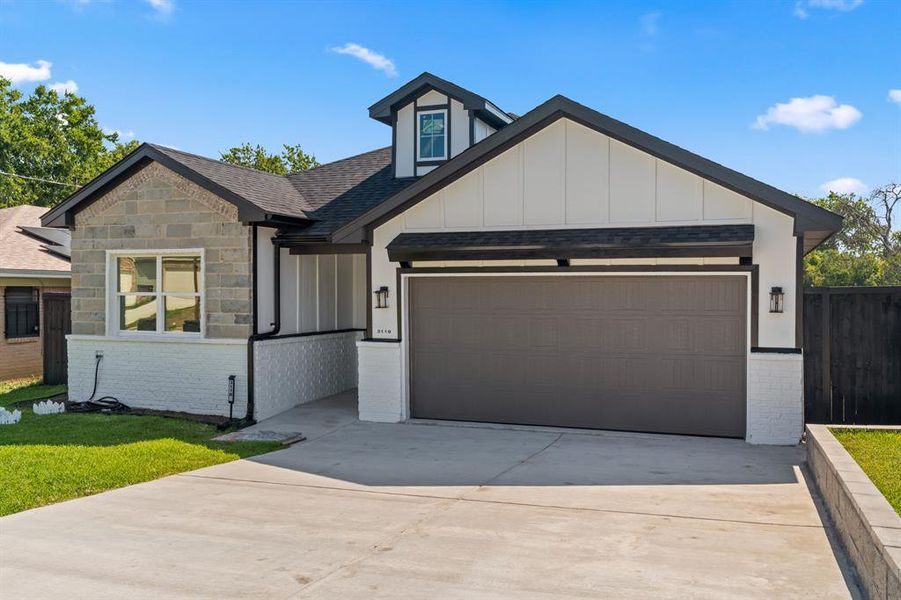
[[803, 7], [370, 57], [650, 23], [810, 114], [845, 185], [895, 96], [23, 72], [62, 87], [162, 8]]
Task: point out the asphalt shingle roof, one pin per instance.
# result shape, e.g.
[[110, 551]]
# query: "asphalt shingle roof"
[[20, 251], [565, 243], [338, 192], [272, 193]]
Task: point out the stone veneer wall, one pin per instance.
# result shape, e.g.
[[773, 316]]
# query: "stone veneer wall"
[[159, 209]]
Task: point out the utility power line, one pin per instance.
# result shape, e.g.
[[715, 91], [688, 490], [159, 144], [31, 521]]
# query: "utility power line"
[[37, 179]]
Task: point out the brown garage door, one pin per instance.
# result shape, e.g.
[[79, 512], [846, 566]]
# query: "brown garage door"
[[638, 353]]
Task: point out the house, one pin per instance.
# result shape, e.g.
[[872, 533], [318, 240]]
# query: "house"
[[556, 268], [34, 295]]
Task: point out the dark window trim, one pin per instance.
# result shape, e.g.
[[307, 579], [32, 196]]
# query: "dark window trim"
[[417, 162], [34, 304]]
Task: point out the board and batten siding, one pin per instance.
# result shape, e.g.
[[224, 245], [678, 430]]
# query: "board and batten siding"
[[319, 292], [405, 132], [569, 176]]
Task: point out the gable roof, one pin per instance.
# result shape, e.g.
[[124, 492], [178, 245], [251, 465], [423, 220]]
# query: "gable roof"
[[26, 248], [340, 191], [484, 109], [258, 196], [816, 223]]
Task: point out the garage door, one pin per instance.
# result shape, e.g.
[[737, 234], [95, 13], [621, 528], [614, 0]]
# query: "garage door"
[[637, 353]]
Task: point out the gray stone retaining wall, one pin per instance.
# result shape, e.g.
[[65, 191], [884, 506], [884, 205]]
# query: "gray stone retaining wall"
[[867, 525]]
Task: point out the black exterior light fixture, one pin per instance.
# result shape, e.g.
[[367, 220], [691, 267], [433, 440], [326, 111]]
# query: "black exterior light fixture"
[[777, 299], [381, 297]]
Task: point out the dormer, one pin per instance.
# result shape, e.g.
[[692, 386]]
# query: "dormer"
[[434, 120]]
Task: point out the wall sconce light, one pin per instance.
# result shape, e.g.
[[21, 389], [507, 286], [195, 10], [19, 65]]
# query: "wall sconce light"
[[777, 299], [381, 297]]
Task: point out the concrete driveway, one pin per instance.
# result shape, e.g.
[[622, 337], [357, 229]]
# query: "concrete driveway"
[[439, 511]]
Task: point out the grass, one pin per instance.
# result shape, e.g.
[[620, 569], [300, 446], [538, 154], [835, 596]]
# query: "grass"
[[878, 452], [51, 458]]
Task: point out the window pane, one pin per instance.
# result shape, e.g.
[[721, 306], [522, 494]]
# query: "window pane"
[[438, 123], [137, 274], [425, 124], [181, 274], [137, 312], [425, 147], [183, 313], [438, 146]]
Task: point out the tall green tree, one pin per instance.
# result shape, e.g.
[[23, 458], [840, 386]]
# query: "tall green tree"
[[47, 137], [291, 159], [867, 251]]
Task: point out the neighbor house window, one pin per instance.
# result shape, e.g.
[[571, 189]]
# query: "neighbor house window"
[[158, 293], [432, 135], [22, 312]]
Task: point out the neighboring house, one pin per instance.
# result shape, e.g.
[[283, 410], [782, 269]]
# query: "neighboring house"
[[34, 295], [558, 268]]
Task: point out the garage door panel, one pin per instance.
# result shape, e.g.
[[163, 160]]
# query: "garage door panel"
[[637, 353]]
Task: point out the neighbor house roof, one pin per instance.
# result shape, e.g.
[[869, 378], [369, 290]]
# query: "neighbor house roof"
[[26, 248]]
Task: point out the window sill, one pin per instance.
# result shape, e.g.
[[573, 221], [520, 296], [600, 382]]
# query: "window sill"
[[23, 340]]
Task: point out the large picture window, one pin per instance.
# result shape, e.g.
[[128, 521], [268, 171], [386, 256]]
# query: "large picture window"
[[432, 135], [158, 293], [22, 312]]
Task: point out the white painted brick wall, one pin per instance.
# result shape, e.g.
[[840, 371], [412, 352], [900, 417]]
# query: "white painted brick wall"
[[186, 376], [295, 370], [380, 390], [775, 398]]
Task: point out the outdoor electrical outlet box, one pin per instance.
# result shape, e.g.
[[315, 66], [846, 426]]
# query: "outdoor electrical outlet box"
[[98, 354]]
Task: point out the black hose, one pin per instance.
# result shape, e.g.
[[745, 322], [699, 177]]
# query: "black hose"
[[106, 403]]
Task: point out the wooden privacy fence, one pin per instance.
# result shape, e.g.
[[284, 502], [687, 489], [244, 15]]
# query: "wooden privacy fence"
[[852, 355]]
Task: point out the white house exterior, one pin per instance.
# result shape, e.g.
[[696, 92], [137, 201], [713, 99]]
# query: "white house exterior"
[[558, 268]]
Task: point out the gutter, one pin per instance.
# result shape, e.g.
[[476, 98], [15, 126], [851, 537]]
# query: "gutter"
[[277, 312]]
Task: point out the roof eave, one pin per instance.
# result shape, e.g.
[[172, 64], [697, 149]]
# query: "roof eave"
[[807, 216], [62, 215]]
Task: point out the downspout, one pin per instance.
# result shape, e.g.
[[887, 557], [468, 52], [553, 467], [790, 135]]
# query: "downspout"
[[277, 314]]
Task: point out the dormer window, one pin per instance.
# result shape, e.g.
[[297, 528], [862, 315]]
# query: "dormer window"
[[431, 135]]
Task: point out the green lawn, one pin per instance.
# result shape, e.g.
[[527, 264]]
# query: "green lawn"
[[50, 458], [878, 452]]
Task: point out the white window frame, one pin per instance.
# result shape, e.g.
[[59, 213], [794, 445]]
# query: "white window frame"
[[420, 113], [113, 294]]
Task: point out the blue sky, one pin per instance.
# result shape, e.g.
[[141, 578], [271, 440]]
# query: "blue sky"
[[717, 78]]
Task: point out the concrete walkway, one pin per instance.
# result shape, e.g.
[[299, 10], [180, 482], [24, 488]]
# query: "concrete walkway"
[[364, 510]]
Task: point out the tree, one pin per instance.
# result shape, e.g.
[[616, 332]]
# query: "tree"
[[47, 137], [867, 251], [291, 160]]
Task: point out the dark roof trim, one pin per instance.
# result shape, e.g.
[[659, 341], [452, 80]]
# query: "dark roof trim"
[[62, 215], [807, 216], [620, 242], [485, 109]]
